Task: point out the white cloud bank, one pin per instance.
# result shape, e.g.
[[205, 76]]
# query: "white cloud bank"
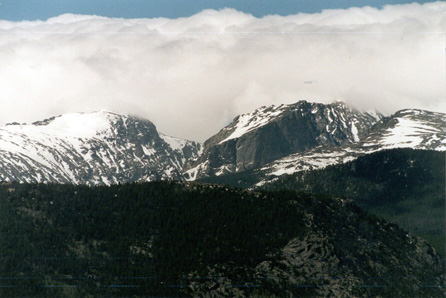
[[191, 76]]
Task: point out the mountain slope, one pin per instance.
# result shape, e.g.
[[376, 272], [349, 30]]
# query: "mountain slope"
[[94, 148], [405, 186], [270, 133], [171, 239]]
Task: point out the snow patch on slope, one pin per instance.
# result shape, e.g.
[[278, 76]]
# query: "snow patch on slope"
[[408, 133], [174, 143], [248, 122], [311, 160], [416, 129], [355, 133]]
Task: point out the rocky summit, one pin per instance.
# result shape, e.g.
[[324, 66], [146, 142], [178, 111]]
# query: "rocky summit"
[[270, 133]]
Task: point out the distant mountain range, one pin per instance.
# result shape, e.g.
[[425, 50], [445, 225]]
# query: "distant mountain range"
[[109, 148]]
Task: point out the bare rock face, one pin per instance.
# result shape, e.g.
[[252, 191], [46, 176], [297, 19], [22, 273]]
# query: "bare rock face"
[[270, 133], [94, 148]]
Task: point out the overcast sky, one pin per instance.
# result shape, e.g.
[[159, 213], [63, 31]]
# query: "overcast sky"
[[192, 75]]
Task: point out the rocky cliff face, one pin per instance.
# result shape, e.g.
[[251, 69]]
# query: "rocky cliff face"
[[270, 133], [95, 148]]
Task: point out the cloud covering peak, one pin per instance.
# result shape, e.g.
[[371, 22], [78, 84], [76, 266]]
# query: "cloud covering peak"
[[191, 76]]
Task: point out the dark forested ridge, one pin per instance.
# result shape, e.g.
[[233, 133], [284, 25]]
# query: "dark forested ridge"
[[190, 239], [402, 185]]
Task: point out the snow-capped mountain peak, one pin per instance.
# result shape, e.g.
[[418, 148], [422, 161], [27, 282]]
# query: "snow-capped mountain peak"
[[93, 148], [76, 125]]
